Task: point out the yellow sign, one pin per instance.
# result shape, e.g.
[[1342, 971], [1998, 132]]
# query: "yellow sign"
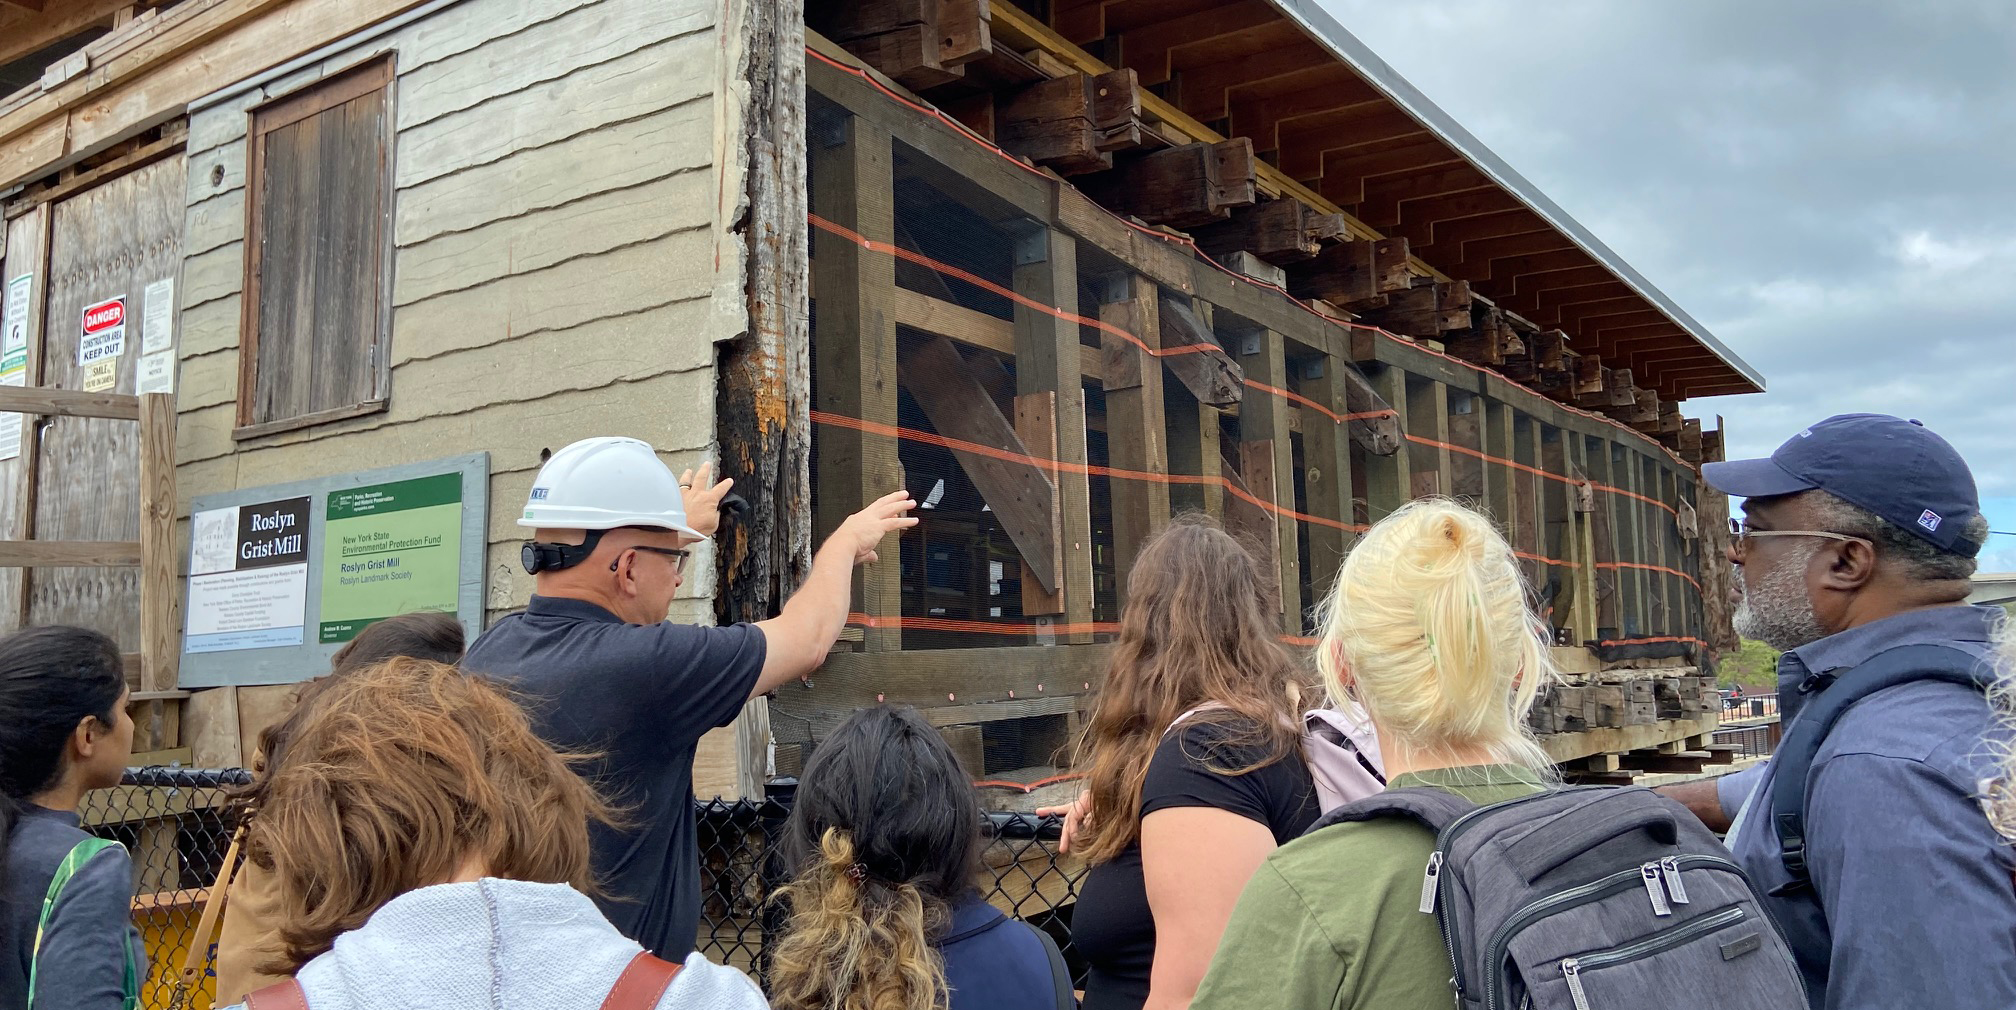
[[101, 375]]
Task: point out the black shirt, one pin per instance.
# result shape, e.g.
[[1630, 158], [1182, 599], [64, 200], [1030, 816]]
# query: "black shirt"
[[1112, 925], [640, 696]]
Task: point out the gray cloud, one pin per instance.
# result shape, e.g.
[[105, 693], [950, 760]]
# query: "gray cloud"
[[1826, 185]]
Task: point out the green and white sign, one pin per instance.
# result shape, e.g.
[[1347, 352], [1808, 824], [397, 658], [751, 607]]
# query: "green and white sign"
[[282, 576], [390, 549]]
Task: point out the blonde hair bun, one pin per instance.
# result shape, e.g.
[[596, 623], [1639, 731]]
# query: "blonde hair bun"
[[1429, 627]]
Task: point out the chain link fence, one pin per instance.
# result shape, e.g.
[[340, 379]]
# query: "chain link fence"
[[177, 823]]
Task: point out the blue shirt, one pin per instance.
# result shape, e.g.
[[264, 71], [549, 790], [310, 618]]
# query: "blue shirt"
[[1911, 903], [637, 697], [993, 962]]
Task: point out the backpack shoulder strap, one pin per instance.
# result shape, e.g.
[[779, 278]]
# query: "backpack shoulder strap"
[[1794, 758], [283, 995], [642, 984], [1433, 808], [1060, 972], [73, 861]]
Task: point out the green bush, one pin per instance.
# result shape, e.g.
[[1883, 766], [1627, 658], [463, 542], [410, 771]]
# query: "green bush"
[[1755, 666]]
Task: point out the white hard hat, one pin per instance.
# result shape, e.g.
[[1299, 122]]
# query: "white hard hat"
[[603, 483]]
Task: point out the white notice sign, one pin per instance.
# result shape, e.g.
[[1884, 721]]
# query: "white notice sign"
[[157, 316], [14, 356], [157, 373], [104, 331], [248, 576]]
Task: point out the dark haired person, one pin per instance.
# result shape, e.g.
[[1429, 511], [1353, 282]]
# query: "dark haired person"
[[885, 834], [1858, 539], [65, 944], [246, 939]]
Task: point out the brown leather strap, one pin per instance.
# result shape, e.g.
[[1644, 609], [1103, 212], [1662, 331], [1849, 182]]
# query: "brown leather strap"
[[278, 996], [640, 986], [206, 927]]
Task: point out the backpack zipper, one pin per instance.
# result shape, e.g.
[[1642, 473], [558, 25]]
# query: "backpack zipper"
[[1572, 967], [1428, 889], [1655, 888], [1603, 887], [1675, 888], [1442, 842]]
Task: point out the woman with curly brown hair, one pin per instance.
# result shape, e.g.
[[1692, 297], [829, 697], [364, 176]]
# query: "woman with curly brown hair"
[[885, 834], [428, 849], [1182, 814]]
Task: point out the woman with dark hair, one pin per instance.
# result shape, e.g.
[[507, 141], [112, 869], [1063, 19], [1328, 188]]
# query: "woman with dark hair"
[[1193, 760], [247, 939], [66, 931], [885, 834]]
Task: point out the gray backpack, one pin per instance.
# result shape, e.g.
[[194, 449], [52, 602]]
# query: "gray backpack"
[[1590, 898]]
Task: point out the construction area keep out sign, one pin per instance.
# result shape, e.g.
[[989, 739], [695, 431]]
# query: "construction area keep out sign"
[[104, 331]]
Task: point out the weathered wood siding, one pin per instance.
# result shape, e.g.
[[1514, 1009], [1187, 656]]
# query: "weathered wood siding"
[[557, 254]]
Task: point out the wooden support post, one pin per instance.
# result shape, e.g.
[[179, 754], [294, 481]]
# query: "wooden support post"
[[1659, 585], [1036, 426], [1582, 533], [1193, 450], [1499, 479], [1211, 376], [1466, 429], [1137, 432], [1528, 523], [1046, 360], [1610, 579], [854, 353], [1268, 459], [1630, 530], [1388, 479], [1428, 419], [1326, 473], [160, 597]]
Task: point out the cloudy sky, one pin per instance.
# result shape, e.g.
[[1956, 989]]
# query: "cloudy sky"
[[1828, 185]]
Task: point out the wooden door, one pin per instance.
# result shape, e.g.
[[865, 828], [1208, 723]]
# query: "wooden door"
[[107, 243]]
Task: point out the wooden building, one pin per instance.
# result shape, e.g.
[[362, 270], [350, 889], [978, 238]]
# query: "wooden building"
[[1062, 268]]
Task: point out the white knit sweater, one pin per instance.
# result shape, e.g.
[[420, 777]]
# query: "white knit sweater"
[[495, 944]]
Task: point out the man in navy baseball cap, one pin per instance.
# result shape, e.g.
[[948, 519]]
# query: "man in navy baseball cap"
[[1857, 540]]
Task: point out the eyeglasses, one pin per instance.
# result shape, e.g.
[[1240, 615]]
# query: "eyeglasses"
[[1740, 530], [679, 557]]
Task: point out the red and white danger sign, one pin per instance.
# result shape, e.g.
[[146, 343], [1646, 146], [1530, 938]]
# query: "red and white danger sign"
[[104, 331]]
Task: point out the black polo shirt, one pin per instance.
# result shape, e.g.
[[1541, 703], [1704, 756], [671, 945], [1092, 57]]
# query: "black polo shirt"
[[640, 696]]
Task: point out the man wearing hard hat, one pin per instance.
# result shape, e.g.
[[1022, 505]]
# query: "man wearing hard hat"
[[605, 674]]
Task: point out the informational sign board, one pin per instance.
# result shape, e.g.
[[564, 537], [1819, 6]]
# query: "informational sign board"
[[14, 355], [248, 576], [280, 577], [390, 549]]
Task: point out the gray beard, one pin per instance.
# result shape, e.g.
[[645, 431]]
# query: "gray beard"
[[1778, 612]]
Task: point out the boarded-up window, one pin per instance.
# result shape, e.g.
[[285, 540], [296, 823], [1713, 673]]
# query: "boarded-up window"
[[317, 228]]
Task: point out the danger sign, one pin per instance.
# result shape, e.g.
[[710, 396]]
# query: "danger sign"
[[104, 331]]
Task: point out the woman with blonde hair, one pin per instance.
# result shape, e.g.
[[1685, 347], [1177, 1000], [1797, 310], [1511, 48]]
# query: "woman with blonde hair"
[[1193, 760], [427, 849], [1428, 627]]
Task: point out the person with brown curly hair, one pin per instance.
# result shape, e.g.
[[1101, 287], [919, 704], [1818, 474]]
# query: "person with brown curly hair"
[[885, 835], [427, 849]]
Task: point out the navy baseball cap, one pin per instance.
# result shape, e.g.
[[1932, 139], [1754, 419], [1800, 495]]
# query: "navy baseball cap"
[[1895, 468]]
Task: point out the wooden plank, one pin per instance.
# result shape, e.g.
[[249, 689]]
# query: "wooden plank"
[[160, 588], [1036, 426], [1193, 450], [1499, 479], [1430, 471], [69, 402], [1528, 521], [1136, 425], [1046, 360], [1279, 231], [26, 254], [1326, 474], [1610, 579], [1181, 187], [934, 678], [1022, 497], [1388, 479], [1211, 376], [854, 353], [1051, 124], [1268, 461], [69, 553], [1466, 429]]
